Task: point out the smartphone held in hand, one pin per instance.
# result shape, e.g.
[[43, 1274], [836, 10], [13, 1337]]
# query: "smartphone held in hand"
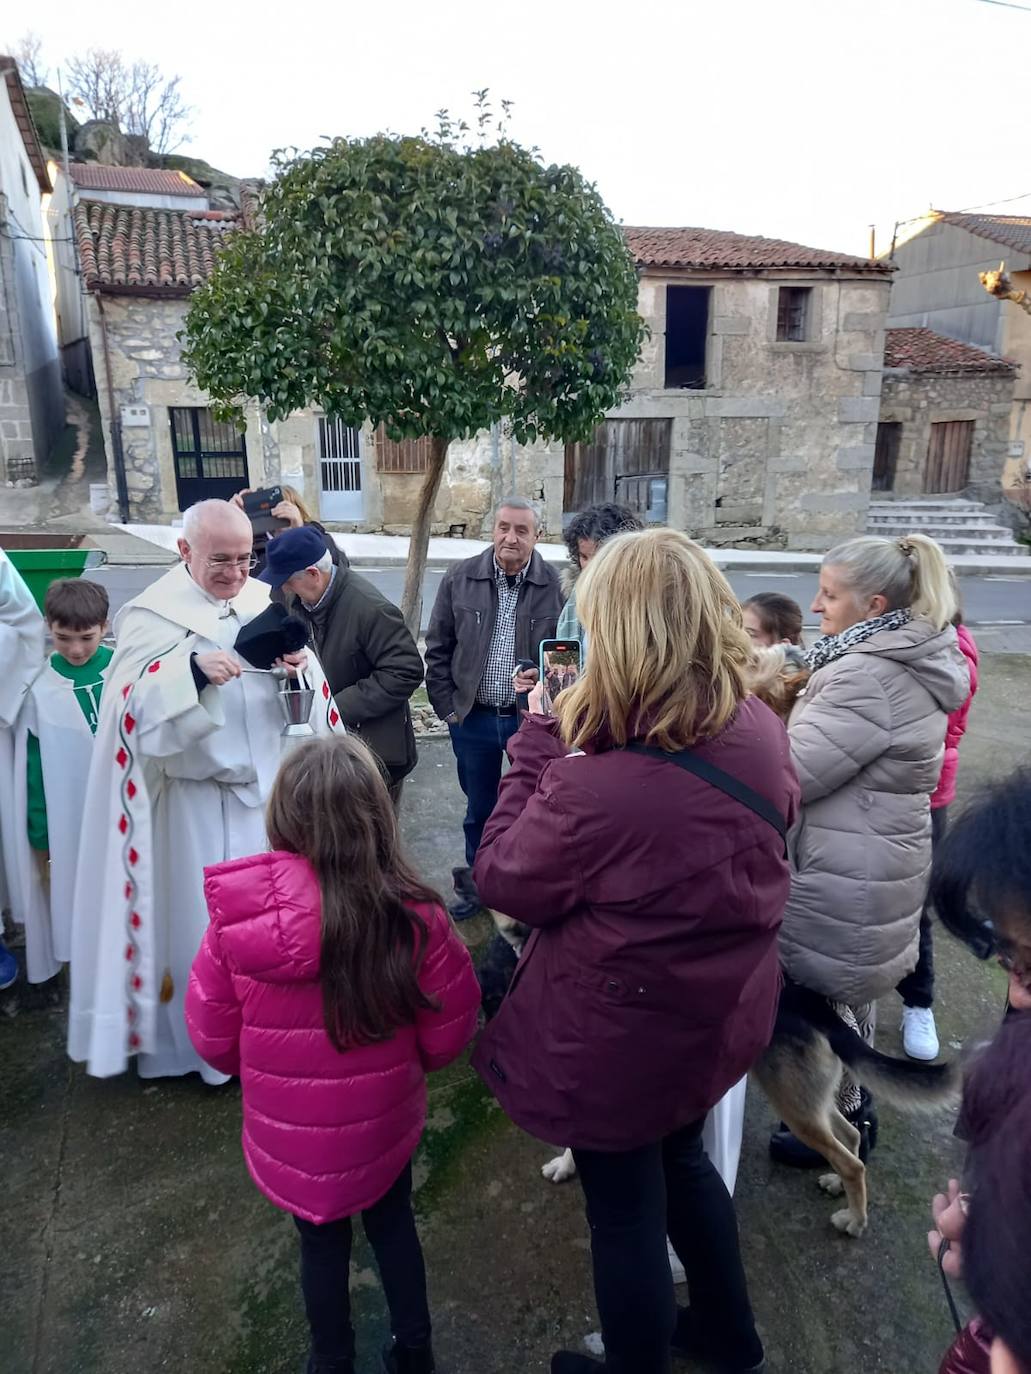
[[258, 507], [560, 666]]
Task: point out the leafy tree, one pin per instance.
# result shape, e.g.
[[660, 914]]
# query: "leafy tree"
[[428, 285]]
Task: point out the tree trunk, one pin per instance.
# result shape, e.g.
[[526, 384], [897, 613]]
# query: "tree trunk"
[[411, 600]]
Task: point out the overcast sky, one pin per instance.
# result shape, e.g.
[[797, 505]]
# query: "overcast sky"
[[799, 119]]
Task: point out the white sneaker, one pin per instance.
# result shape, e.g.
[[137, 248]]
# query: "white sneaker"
[[919, 1033], [676, 1268]]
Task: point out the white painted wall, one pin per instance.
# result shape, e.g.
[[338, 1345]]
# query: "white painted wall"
[[151, 202], [25, 227]]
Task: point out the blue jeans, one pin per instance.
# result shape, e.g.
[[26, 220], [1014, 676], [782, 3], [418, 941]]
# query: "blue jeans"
[[479, 745]]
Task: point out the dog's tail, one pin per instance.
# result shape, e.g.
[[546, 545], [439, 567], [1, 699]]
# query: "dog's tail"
[[904, 1083]]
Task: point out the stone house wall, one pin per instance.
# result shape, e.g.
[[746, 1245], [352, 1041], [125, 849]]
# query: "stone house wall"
[[778, 448], [917, 400], [147, 371]]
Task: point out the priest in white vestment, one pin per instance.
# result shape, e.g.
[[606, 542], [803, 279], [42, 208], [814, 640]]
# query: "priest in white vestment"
[[186, 752], [21, 653]]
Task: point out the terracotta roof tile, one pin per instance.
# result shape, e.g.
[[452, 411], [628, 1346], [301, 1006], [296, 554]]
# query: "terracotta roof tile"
[[923, 350], [1012, 231], [148, 181], [725, 250], [133, 248]]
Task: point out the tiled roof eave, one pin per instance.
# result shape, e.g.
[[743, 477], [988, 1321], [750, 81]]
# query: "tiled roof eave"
[[877, 269]]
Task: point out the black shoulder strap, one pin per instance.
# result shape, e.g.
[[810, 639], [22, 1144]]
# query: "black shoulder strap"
[[718, 778]]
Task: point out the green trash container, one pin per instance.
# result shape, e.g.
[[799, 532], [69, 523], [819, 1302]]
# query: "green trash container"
[[40, 567]]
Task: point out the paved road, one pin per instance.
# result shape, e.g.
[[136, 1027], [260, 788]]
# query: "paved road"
[[997, 603]]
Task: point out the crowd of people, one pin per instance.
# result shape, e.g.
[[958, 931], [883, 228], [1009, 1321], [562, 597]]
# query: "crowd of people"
[[709, 807]]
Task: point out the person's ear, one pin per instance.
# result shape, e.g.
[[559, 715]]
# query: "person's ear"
[[184, 549], [878, 605]]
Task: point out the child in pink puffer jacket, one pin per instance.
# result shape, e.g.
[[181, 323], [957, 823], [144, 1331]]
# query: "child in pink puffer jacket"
[[331, 980]]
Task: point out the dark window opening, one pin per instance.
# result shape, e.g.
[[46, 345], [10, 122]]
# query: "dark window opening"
[[687, 331], [886, 455], [793, 313]]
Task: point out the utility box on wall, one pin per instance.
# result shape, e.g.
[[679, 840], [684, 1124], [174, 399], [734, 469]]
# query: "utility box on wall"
[[135, 417]]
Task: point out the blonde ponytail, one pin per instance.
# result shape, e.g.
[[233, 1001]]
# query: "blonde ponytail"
[[934, 591], [910, 573]]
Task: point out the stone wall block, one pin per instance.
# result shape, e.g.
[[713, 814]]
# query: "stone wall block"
[[858, 409]]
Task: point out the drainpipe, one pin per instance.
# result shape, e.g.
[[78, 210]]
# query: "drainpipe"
[[114, 423]]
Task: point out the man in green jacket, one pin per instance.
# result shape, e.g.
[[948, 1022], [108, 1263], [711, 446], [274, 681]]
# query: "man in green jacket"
[[369, 657]]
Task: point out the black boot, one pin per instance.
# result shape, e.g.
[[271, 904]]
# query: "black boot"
[[408, 1359], [786, 1148], [315, 1366], [572, 1362], [688, 1344], [467, 900]]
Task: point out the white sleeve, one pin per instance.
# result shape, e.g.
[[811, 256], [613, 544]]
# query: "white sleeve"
[[166, 709]]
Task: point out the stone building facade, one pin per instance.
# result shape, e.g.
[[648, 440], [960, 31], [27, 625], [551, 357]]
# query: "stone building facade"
[[760, 387], [31, 396], [945, 417], [751, 417]]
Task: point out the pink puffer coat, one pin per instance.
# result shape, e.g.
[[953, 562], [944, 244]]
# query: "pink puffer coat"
[[325, 1134], [956, 727]]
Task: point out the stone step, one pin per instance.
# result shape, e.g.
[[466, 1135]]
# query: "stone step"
[[961, 519], [927, 507], [985, 533], [953, 544]]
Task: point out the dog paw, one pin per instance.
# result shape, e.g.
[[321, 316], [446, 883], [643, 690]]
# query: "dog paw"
[[847, 1224], [831, 1183], [560, 1169]]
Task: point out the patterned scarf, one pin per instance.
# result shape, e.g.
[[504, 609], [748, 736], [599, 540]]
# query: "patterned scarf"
[[830, 647]]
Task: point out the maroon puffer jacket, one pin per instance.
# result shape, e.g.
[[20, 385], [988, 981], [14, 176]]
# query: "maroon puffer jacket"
[[970, 1352], [650, 983]]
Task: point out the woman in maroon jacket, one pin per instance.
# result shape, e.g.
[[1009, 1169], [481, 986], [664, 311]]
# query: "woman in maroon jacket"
[[650, 982]]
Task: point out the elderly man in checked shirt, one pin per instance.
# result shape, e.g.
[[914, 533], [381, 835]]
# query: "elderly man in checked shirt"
[[490, 612]]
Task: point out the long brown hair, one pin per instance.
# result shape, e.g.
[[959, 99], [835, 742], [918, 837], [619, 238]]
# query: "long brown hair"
[[668, 654], [329, 803]]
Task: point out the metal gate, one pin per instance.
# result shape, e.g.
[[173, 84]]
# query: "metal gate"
[[340, 471], [210, 457], [948, 456]]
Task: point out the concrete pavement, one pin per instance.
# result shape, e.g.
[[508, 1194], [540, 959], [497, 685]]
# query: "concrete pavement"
[[137, 1242]]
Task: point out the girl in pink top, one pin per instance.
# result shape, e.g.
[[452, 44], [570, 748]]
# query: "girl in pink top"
[[331, 980]]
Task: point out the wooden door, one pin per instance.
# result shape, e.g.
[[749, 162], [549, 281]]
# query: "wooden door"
[[620, 452], [948, 456]]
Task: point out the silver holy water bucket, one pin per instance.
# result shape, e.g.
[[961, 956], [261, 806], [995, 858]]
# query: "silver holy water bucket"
[[295, 704]]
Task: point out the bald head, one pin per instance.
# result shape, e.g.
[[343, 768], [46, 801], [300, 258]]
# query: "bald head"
[[208, 516], [216, 546]]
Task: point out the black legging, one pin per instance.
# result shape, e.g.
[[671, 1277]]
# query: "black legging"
[[634, 1199], [325, 1262]]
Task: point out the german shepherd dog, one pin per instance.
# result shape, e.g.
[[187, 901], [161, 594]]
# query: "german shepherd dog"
[[799, 1072]]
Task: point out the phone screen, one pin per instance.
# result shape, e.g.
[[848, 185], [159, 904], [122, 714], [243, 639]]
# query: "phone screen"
[[560, 664]]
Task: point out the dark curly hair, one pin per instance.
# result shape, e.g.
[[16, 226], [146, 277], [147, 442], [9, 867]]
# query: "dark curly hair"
[[599, 523]]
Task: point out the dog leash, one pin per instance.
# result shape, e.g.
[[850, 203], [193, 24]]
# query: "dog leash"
[[943, 1250]]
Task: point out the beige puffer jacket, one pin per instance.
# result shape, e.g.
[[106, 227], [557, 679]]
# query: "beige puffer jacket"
[[867, 739]]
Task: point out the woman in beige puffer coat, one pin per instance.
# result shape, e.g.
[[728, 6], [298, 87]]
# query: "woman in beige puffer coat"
[[867, 739]]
